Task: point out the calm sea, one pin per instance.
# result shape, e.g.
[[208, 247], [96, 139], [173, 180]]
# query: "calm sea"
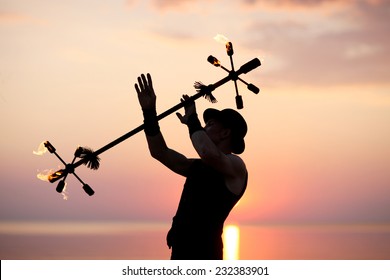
[[119, 241]]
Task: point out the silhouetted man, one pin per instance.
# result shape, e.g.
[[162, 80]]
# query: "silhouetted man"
[[214, 182]]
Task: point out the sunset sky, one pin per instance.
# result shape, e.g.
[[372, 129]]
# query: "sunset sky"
[[318, 145]]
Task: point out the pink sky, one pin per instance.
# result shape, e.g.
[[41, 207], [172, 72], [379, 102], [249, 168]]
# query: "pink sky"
[[318, 142]]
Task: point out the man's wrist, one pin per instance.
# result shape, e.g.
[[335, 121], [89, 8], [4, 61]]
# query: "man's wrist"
[[193, 124], [151, 126]]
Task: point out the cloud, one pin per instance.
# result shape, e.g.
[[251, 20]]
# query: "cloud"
[[305, 41], [172, 4], [361, 50], [346, 46], [11, 18], [191, 6], [176, 35], [309, 3]]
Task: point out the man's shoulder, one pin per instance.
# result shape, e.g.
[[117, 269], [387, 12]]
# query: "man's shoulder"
[[236, 158], [237, 162]]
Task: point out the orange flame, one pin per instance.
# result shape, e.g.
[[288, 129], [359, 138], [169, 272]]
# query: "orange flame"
[[46, 174], [41, 149], [52, 177]]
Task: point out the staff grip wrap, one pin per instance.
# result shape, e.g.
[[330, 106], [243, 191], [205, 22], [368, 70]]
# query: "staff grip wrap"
[[151, 126], [193, 124]]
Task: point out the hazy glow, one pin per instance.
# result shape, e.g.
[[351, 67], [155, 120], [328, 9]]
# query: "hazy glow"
[[130, 240], [74, 228]]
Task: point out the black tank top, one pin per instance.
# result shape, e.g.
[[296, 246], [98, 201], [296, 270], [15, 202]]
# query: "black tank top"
[[204, 206]]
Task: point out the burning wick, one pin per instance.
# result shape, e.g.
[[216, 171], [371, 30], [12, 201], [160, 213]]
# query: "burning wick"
[[45, 176], [223, 40]]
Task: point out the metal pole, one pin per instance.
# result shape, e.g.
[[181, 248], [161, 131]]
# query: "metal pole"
[[249, 66]]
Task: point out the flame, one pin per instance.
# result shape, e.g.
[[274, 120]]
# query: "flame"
[[221, 39], [64, 193], [41, 149], [46, 174], [52, 177]]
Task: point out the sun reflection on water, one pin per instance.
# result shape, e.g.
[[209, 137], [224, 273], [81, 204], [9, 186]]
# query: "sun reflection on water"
[[231, 242]]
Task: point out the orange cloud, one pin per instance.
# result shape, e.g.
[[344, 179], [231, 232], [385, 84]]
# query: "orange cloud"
[[310, 3], [11, 18]]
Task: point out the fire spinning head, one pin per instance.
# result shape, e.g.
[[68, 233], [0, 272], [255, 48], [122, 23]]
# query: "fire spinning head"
[[247, 67], [87, 157]]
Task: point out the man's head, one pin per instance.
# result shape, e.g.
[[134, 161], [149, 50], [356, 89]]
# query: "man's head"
[[234, 122]]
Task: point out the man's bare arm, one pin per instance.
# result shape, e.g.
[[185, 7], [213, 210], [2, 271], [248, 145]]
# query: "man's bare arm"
[[231, 166], [156, 143], [172, 159]]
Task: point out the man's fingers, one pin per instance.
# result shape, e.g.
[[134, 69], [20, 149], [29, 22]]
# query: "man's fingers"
[[187, 100], [180, 117], [140, 84], [137, 89], [184, 98], [149, 80], [144, 81], [145, 84]]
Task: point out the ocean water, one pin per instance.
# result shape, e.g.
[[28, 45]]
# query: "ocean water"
[[143, 241]]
